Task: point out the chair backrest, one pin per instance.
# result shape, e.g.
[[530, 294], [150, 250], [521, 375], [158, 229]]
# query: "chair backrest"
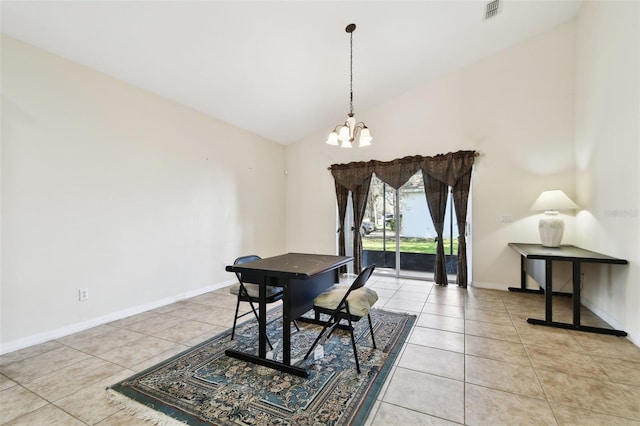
[[359, 282], [241, 260], [245, 259], [362, 279]]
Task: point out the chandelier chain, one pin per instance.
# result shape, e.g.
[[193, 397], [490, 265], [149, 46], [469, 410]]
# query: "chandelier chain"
[[351, 73]]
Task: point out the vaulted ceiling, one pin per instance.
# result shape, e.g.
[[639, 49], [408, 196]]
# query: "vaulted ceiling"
[[278, 69]]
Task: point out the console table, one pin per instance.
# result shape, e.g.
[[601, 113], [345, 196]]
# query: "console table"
[[537, 261]]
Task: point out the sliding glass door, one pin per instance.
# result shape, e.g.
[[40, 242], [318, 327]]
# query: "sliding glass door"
[[399, 235]]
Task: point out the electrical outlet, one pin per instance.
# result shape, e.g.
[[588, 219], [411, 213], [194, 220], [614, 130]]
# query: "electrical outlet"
[[83, 294], [506, 218]]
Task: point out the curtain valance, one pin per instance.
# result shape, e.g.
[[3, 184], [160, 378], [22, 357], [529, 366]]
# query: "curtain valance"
[[447, 168]]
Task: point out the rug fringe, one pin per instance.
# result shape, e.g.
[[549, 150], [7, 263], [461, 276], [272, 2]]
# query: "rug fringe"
[[141, 411]]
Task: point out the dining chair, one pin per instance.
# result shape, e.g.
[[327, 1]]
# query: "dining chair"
[[350, 303], [248, 292]]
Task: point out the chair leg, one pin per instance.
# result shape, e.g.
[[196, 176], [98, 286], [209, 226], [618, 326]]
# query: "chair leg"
[[235, 319], [258, 318], [324, 329], [353, 343], [373, 339]]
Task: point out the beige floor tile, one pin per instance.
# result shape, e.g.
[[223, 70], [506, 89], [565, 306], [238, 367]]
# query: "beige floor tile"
[[499, 350], [29, 352], [186, 330], [42, 364], [388, 414], [417, 287], [156, 359], [577, 363], [390, 284], [446, 299], [91, 404], [609, 346], [485, 294], [504, 376], [6, 383], [154, 325], [487, 305], [70, 379], [226, 300], [441, 322], [488, 316], [433, 361], [132, 320], [409, 296], [591, 394], [492, 407], [632, 392], [385, 292], [495, 331], [381, 302], [18, 401], [438, 339], [101, 339], [567, 415], [446, 310], [49, 415], [620, 371], [427, 394], [549, 337], [139, 351], [404, 305]]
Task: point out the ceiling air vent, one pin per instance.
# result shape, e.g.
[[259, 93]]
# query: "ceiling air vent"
[[492, 9]]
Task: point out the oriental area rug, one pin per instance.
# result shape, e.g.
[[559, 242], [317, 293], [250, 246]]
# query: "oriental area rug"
[[203, 386]]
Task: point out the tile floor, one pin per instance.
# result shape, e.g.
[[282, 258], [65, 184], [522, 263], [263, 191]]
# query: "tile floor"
[[471, 358]]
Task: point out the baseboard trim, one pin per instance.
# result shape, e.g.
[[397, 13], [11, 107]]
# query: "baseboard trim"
[[46, 336]]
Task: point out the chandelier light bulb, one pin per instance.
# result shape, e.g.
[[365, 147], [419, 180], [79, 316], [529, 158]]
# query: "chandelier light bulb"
[[333, 139], [343, 134], [346, 144], [365, 137]]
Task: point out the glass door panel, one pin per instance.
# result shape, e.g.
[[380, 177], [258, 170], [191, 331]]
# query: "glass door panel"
[[398, 234], [417, 232], [378, 227]]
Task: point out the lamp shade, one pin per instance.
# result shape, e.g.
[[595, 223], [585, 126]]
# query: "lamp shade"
[[553, 200]]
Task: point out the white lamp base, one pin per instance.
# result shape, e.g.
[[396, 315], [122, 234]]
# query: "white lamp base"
[[551, 228]]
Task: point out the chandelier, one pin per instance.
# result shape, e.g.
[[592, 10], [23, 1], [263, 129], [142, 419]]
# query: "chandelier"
[[346, 133]]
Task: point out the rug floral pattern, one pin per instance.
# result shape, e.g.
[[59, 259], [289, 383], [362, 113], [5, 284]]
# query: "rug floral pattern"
[[204, 386]]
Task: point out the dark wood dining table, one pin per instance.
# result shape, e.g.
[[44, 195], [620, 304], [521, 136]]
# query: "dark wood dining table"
[[302, 276]]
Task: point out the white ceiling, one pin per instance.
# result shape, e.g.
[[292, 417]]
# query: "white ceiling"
[[278, 69]]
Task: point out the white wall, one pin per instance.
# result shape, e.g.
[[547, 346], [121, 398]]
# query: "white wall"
[[515, 108], [608, 156], [111, 188]]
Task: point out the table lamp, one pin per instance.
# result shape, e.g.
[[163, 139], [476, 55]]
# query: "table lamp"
[[551, 225]]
